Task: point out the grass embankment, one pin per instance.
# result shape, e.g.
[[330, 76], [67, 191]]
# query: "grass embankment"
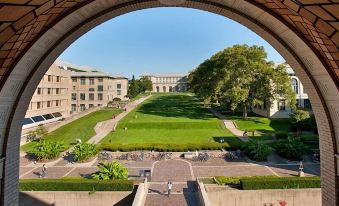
[[82, 128], [174, 122]]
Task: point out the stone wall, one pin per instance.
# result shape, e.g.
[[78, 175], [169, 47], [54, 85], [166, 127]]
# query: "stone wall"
[[220, 196], [75, 198]]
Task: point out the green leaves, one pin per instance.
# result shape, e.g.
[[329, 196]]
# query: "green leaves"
[[290, 148], [84, 151], [110, 171], [256, 150], [47, 150]]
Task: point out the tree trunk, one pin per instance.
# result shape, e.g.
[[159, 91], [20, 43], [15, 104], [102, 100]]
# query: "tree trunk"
[[244, 112]]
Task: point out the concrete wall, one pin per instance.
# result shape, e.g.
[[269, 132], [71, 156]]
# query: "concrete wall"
[[74, 198], [220, 196]]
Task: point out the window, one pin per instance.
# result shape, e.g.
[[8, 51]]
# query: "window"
[[307, 104], [118, 92], [57, 103], [48, 116], [91, 89], [82, 96], [100, 96], [74, 79], [99, 105], [74, 87], [118, 86], [49, 91], [91, 96], [82, 107], [39, 91], [90, 105], [57, 79], [74, 96], [27, 121], [38, 118], [49, 78], [100, 79], [48, 103], [100, 88], [74, 107], [294, 84], [281, 105], [91, 81], [57, 91], [38, 105], [83, 81], [57, 114]]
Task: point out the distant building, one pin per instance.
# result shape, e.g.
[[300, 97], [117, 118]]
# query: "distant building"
[[168, 82], [279, 108], [51, 99], [93, 88]]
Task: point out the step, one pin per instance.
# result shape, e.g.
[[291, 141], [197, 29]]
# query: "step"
[[186, 199]]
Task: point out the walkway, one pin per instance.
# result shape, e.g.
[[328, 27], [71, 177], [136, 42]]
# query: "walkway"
[[102, 129], [230, 125]]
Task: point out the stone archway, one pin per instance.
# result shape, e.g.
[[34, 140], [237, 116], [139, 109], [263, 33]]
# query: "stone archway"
[[34, 33]]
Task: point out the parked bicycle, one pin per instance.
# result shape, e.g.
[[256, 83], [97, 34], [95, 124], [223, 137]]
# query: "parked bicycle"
[[102, 156]]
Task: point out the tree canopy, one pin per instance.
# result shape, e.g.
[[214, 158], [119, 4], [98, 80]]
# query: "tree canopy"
[[139, 86], [241, 77]]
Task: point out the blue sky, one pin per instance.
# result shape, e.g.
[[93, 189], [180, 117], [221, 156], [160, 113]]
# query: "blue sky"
[[162, 40]]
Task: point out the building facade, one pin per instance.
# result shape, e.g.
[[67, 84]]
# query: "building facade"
[[168, 82], [51, 99], [90, 87], [279, 108]]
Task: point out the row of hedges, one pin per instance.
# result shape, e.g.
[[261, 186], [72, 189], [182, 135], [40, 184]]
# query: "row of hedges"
[[171, 147], [270, 182], [256, 183], [74, 185]]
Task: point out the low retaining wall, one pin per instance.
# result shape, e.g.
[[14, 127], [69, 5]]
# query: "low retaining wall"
[[68, 198], [220, 196]]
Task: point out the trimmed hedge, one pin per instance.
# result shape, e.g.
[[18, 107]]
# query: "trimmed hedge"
[[74, 185], [171, 147], [256, 183], [223, 180]]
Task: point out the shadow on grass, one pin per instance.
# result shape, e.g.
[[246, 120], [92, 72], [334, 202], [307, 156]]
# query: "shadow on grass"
[[180, 106]]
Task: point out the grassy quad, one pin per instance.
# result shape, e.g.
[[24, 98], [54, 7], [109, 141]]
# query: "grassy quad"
[[170, 121], [82, 128], [263, 126]]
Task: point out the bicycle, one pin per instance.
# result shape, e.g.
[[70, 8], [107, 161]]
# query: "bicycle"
[[102, 156]]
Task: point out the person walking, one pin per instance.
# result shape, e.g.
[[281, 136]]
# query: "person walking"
[[169, 188], [44, 171]]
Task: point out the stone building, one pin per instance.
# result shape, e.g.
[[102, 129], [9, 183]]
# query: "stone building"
[[93, 88], [51, 99], [168, 82], [280, 108]]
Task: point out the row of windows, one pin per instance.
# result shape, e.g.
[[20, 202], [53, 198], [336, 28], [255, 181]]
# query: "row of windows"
[[90, 80], [51, 91], [45, 104], [82, 96], [51, 78], [168, 79], [82, 107], [40, 118]]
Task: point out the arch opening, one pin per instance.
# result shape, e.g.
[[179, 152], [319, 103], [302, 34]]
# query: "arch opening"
[[27, 71]]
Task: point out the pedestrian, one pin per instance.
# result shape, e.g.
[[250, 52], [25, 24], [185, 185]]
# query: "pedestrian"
[[44, 171], [169, 188]]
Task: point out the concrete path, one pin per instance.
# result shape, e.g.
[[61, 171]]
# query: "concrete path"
[[230, 125], [102, 129]]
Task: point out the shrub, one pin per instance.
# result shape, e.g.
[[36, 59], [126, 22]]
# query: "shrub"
[[290, 148], [74, 185], [279, 183], [257, 150], [47, 150], [110, 171], [84, 151], [281, 135], [222, 180], [300, 119]]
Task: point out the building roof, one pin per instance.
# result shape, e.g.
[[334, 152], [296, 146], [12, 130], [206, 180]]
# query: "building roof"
[[289, 69], [85, 71]]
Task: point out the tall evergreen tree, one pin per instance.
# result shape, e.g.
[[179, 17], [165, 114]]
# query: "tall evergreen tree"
[[133, 89]]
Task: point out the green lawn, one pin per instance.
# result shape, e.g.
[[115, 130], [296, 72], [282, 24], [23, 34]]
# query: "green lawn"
[[170, 119], [263, 126], [82, 128]]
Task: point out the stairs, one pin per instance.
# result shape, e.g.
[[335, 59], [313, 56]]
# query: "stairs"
[[183, 194]]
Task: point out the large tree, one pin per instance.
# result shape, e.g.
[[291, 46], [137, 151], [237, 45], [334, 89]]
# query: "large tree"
[[145, 84], [133, 88], [241, 77]]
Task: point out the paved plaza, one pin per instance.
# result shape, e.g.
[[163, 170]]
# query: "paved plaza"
[[176, 170]]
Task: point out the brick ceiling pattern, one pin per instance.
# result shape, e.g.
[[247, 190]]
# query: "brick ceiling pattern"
[[22, 21]]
